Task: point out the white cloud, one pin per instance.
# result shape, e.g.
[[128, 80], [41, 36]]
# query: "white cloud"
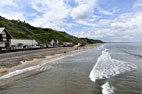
[[127, 27], [53, 12], [86, 23], [84, 9], [60, 25], [7, 3], [104, 23], [138, 3], [91, 20], [51, 9], [105, 12], [94, 18], [102, 11], [10, 14], [13, 15], [129, 22], [96, 34], [49, 13]]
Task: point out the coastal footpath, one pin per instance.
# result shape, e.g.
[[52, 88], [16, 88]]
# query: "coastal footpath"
[[13, 61]]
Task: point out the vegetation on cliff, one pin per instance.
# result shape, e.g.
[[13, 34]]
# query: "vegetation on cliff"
[[22, 30]]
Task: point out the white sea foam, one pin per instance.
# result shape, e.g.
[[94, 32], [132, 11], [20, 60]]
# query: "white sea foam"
[[107, 89], [40, 67], [107, 67], [17, 72], [101, 47]]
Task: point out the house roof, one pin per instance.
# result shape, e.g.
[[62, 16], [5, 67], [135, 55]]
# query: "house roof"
[[3, 29]]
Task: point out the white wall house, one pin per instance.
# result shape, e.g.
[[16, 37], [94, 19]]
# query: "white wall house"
[[5, 38], [6, 41]]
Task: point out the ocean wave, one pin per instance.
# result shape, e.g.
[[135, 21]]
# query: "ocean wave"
[[38, 68], [107, 89], [134, 54], [17, 72], [107, 67]]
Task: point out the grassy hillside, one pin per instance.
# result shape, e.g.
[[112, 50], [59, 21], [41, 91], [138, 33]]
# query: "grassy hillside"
[[22, 30]]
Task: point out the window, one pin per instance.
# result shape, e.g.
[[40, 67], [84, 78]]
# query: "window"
[[3, 37]]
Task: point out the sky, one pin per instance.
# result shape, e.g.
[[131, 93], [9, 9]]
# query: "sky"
[[107, 20]]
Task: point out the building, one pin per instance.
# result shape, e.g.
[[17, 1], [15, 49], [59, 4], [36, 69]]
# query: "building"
[[54, 43], [5, 38], [68, 44], [7, 42]]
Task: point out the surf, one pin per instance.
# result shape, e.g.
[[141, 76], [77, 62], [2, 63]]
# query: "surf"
[[107, 89], [107, 67]]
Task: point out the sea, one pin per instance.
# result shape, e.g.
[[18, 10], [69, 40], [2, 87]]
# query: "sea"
[[112, 68]]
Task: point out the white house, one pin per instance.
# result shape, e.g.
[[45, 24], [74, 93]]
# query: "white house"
[[5, 38]]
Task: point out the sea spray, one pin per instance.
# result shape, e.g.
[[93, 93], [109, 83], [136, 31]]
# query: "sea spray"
[[107, 67], [107, 89]]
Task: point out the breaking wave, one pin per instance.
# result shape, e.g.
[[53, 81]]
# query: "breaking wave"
[[17, 72], [107, 67], [37, 68], [107, 89]]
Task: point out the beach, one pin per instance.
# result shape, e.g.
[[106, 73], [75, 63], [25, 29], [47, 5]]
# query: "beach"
[[13, 61]]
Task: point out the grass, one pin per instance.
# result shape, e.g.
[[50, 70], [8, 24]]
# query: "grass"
[[22, 30]]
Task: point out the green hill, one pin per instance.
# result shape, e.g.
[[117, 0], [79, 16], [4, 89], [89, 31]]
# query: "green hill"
[[22, 30]]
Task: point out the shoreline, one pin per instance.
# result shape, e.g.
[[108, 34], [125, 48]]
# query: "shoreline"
[[39, 62]]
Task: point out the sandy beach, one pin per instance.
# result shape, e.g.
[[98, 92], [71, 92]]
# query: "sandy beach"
[[13, 61]]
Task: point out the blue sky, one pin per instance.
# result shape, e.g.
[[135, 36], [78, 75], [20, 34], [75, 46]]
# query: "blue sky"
[[108, 20]]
